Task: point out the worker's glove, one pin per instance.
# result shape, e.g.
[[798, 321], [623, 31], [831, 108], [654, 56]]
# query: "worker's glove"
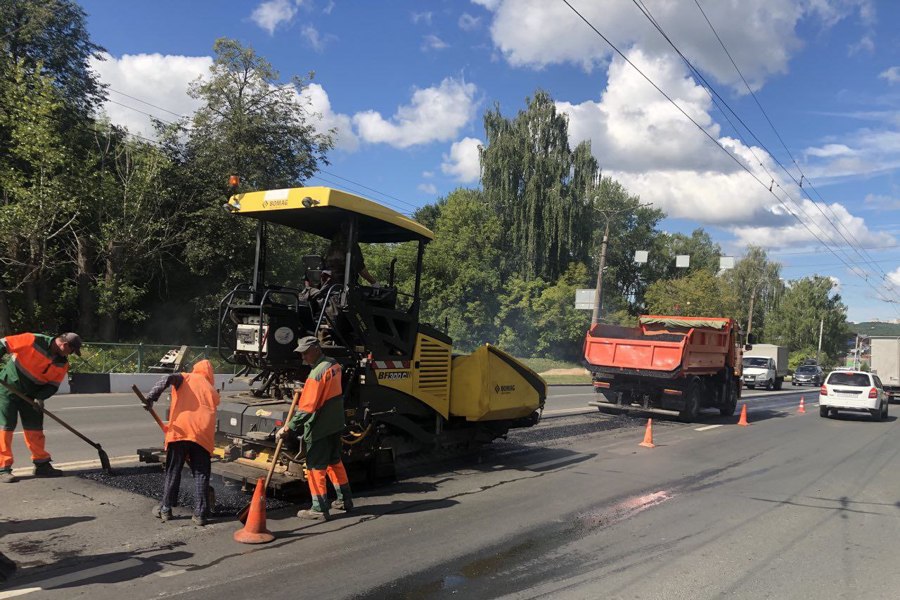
[[39, 403], [282, 433]]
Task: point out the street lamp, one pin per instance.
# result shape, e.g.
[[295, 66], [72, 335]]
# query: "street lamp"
[[607, 215]]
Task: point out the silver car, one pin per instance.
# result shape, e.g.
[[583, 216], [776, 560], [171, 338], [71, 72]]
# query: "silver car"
[[855, 391]]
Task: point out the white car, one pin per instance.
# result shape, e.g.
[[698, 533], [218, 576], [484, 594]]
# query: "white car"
[[856, 391]]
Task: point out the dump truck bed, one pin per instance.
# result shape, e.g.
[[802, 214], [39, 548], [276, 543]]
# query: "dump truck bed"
[[661, 346]]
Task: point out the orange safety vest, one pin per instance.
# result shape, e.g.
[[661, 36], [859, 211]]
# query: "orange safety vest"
[[192, 416], [34, 362]]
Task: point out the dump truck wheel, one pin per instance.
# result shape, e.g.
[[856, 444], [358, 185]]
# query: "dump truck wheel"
[[730, 404], [691, 408]]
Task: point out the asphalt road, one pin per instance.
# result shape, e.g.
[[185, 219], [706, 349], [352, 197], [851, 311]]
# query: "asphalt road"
[[794, 506]]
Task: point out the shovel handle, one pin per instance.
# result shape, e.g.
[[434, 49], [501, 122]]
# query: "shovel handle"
[[35, 406], [149, 408], [281, 441]]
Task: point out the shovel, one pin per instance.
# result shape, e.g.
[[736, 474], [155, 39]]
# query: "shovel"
[[104, 459], [242, 516]]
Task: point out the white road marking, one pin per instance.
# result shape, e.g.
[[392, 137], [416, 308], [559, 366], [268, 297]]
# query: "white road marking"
[[74, 577], [171, 572], [83, 464], [707, 427], [591, 393], [566, 411]]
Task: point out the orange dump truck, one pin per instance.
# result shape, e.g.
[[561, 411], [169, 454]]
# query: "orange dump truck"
[[668, 365]]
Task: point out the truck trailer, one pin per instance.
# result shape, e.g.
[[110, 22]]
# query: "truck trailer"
[[669, 365], [886, 363]]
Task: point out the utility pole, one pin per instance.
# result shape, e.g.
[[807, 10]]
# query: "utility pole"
[[821, 324], [607, 215], [856, 353]]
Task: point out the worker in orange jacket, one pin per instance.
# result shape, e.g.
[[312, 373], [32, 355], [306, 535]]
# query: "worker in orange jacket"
[[37, 367], [320, 421], [189, 436]]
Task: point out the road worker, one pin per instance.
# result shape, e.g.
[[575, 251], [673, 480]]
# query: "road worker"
[[320, 417], [37, 366], [190, 436]]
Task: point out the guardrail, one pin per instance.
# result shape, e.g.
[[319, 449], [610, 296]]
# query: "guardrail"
[[108, 357]]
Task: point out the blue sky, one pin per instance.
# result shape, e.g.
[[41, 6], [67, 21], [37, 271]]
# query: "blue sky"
[[406, 84]]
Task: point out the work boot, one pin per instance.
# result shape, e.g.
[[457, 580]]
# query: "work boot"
[[199, 520], [6, 476], [45, 469], [343, 505], [159, 513], [313, 515]]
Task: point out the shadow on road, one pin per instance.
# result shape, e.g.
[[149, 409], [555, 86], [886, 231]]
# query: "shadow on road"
[[32, 525]]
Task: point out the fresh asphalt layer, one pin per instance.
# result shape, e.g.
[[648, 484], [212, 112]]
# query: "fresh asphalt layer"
[[793, 506]]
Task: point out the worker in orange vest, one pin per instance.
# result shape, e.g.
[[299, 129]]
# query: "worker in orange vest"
[[37, 367], [189, 436], [320, 420]]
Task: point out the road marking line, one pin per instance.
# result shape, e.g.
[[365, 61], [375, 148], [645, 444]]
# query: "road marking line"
[[74, 577], [83, 464], [590, 393], [566, 411], [707, 428], [15, 593], [171, 572]]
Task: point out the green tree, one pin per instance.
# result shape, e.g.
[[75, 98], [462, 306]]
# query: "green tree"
[[253, 125], [539, 188], [461, 284], [757, 286], [806, 303], [699, 294]]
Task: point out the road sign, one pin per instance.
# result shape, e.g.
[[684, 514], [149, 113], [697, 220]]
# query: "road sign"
[[640, 256], [584, 299], [683, 261]]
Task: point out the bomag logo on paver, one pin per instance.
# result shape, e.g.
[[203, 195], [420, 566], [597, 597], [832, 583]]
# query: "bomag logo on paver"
[[274, 203], [393, 374], [504, 389]]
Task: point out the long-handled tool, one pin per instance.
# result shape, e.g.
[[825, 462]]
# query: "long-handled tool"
[[104, 459], [245, 512], [149, 408]]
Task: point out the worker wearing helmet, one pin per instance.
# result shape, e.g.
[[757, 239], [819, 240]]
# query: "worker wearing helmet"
[[320, 416], [189, 436], [38, 366]]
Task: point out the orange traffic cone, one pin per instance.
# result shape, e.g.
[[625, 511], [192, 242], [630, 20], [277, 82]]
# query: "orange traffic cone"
[[648, 436], [255, 532], [802, 409], [743, 421]]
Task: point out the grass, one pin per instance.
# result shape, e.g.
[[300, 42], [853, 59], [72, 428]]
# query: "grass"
[[562, 379], [540, 365]]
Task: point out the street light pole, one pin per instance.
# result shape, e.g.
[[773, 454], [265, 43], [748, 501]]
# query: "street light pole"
[[598, 298], [607, 215], [821, 325]]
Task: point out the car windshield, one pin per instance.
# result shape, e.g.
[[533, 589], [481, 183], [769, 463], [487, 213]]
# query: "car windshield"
[[853, 379], [806, 370], [761, 363]]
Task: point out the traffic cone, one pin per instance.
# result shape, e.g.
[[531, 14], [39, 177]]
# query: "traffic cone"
[[648, 436], [255, 532], [802, 409], [743, 421]]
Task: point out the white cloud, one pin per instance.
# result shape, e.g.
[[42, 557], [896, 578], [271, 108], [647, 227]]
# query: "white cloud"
[[272, 13], [433, 42], [422, 17], [428, 188], [434, 114], [427, 174], [316, 39], [469, 23], [329, 7], [318, 99], [865, 44], [891, 75], [882, 202], [835, 283], [894, 277], [761, 35], [464, 161], [830, 151], [161, 80]]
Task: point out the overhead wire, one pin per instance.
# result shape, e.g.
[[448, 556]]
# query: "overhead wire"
[[857, 246], [714, 140]]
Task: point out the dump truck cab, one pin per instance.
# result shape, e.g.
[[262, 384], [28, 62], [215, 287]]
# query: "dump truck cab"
[[404, 389]]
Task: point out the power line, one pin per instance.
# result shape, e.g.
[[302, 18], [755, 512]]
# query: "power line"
[[717, 100], [784, 145], [711, 138]]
